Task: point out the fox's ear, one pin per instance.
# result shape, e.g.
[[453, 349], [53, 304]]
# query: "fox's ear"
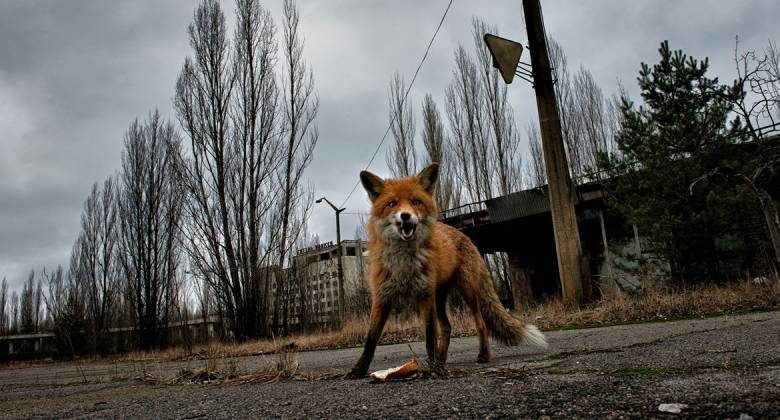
[[428, 177], [372, 183]]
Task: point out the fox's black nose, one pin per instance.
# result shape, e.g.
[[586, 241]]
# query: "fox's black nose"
[[405, 217]]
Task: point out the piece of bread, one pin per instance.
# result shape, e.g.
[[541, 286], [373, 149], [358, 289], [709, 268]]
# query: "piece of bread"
[[398, 372]]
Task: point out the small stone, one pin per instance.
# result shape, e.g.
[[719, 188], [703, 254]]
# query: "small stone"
[[674, 408]]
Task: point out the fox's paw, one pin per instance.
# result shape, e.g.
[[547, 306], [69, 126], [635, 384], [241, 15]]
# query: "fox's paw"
[[483, 358], [438, 371], [356, 373]]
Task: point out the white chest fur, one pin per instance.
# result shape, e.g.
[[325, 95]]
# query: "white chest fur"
[[404, 264]]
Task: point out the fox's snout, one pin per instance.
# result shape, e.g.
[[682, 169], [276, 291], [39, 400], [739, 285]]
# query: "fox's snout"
[[405, 217], [406, 224]]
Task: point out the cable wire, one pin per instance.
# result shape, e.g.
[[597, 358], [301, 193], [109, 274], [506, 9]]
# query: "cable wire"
[[406, 95]]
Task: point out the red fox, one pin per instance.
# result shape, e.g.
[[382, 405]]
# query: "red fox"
[[414, 257]]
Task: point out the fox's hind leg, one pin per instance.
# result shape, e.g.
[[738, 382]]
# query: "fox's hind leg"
[[469, 288]]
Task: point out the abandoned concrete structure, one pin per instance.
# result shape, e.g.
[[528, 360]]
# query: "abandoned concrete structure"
[[317, 269], [520, 225]]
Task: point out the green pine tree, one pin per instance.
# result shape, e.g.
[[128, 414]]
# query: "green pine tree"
[[681, 131]]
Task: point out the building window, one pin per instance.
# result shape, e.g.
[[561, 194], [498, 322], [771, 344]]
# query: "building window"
[[351, 252], [324, 256]]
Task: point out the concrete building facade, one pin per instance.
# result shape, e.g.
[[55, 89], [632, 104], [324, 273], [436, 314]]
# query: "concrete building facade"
[[315, 299]]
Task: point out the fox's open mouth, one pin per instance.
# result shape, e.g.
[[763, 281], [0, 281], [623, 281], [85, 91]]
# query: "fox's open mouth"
[[406, 230]]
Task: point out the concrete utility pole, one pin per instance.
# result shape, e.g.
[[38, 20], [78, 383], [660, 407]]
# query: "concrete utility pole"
[[341, 252], [567, 237]]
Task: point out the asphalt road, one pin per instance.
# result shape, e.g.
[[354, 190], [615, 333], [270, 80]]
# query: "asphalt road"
[[723, 367]]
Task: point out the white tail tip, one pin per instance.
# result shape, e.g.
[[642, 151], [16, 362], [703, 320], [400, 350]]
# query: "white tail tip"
[[534, 337]]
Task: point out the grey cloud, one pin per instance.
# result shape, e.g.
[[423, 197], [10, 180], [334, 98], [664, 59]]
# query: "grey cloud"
[[74, 74]]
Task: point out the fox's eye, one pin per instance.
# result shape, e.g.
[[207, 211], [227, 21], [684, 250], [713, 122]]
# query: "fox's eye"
[[392, 204], [416, 202]]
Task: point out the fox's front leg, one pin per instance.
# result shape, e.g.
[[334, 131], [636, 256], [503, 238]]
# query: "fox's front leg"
[[428, 315], [445, 328], [379, 314]]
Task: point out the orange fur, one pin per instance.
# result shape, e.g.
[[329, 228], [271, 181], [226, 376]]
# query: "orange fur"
[[413, 256]]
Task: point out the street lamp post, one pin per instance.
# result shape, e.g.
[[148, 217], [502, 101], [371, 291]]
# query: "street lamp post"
[[341, 252]]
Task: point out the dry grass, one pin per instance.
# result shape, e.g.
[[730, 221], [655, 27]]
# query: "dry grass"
[[216, 370], [397, 330], [659, 305], [648, 305]]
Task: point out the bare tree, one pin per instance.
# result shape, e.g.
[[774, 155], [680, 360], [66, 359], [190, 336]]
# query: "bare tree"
[[202, 100], [485, 141], [589, 120], [56, 297], [758, 75], [504, 139], [537, 173], [505, 158], [250, 146], [565, 99], [469, 139], [150, 213], [30, 305], [301, 105], [4, 307], [597, 119], [758, 112], [38, 306], [65, 306], [255, 155], [401, 158], [94, 262], [437, 150], [27, 306], [14, 311], [204, 296]]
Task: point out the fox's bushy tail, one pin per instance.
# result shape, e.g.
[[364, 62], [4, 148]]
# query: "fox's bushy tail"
[[502, 325]]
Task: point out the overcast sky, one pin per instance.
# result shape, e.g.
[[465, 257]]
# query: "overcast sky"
[[74, 74]]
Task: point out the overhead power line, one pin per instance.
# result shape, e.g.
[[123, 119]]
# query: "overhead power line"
[[408, 89]]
